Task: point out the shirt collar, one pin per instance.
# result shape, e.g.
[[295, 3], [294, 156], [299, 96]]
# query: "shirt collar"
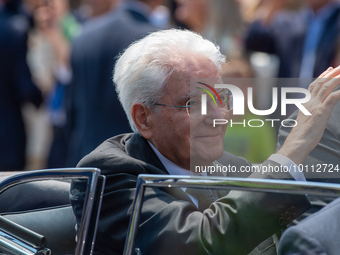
[[170, 166]]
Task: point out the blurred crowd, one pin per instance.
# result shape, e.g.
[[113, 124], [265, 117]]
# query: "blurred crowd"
[[57, 100]]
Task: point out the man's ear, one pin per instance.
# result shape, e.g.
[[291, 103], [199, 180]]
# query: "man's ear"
[[141, 117]]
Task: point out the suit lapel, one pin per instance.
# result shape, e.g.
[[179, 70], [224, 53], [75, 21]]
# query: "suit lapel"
[[139, 148]]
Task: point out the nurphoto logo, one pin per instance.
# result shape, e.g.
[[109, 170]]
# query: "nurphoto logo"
[[235, 100]]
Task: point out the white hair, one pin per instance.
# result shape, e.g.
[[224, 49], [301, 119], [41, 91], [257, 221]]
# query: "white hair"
[[143, 69]]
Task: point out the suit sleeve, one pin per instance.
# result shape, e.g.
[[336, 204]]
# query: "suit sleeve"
[[317, 234], [296, 241]]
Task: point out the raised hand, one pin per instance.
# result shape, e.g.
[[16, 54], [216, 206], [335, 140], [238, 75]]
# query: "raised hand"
[[306, 135]]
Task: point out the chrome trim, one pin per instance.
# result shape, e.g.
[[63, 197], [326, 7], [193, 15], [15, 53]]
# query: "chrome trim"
[[92, 174], [247, 184], [15, 245]]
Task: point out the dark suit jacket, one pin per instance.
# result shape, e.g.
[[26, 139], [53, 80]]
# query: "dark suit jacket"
[[95, 112], [170, 223], [319, 234], [285, 37], [16, 88]]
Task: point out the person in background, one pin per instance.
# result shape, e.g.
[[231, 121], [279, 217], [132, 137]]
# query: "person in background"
[[304, 40], [218, 20], [48, 57], [16, 86], [89, 9], [250, 8], [94, 110]]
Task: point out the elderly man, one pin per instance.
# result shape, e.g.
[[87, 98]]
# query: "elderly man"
[[152, 78]]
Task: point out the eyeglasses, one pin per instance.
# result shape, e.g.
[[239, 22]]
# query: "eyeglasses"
[[194, 105]]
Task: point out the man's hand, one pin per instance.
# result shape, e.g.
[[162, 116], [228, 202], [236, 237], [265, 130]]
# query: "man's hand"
[[306, 135]]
